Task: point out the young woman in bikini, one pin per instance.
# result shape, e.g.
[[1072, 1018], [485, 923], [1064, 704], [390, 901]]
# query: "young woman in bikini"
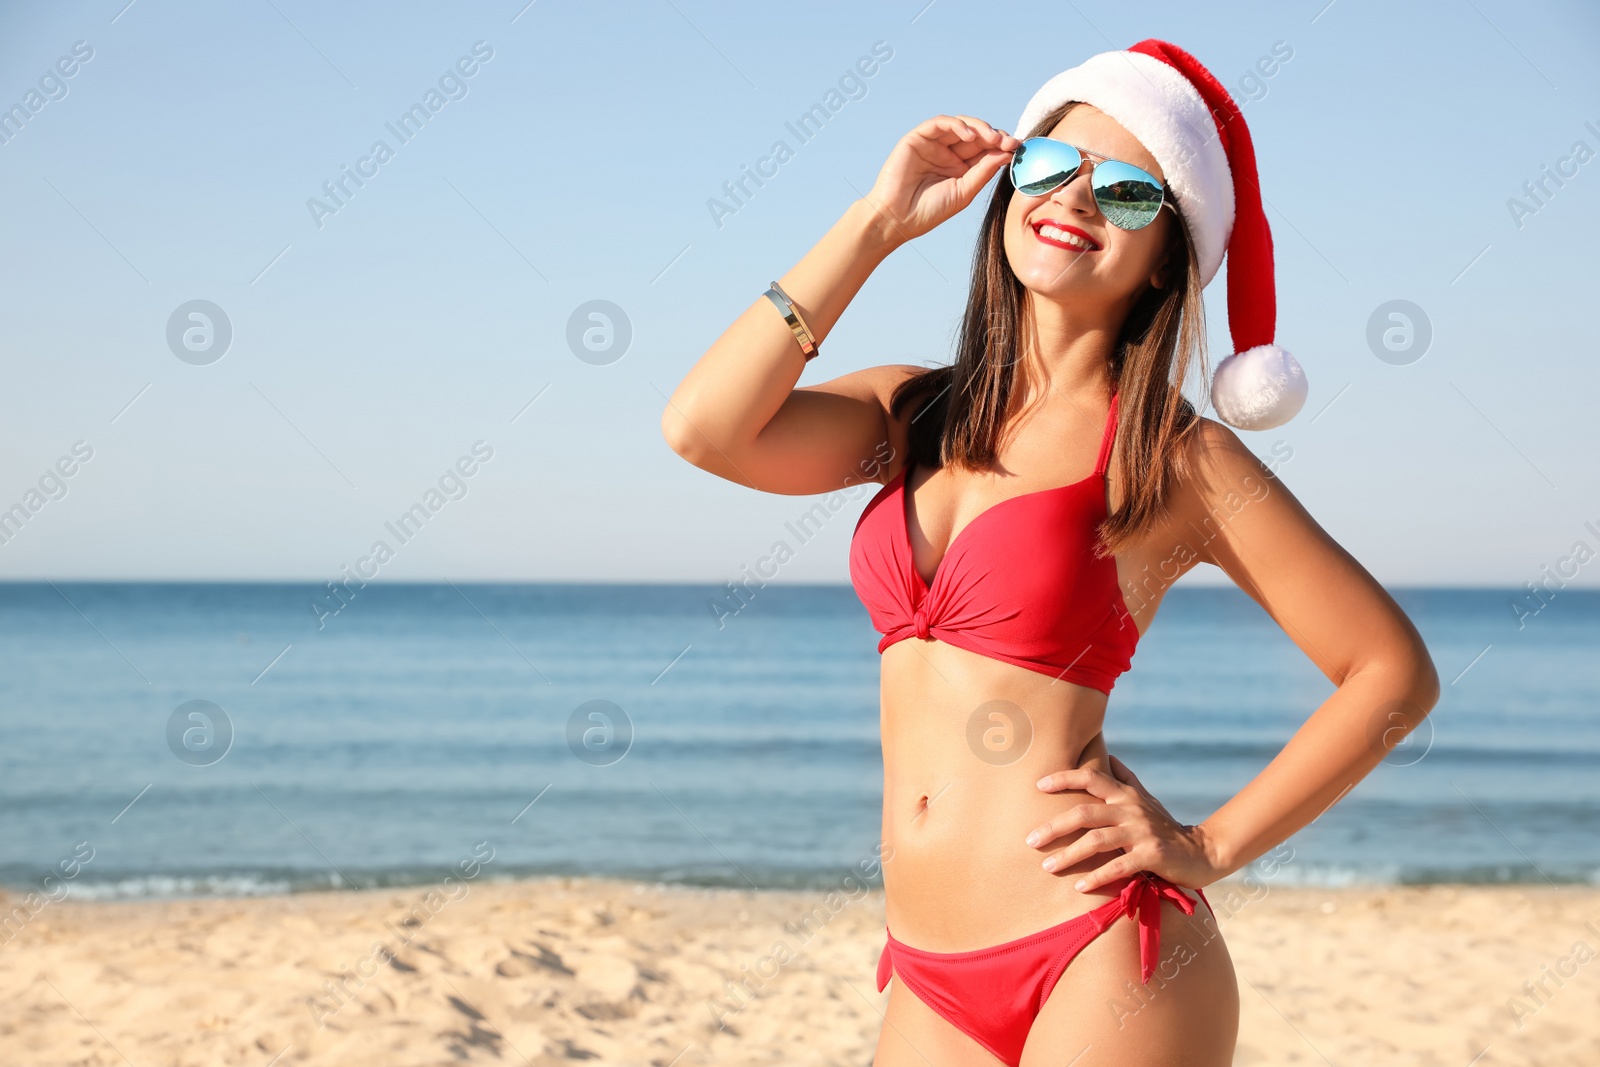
[[1038, 498]]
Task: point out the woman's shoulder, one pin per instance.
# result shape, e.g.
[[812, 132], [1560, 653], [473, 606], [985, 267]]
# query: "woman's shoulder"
[[1214, 452], [1210, 443], [1217, 469]]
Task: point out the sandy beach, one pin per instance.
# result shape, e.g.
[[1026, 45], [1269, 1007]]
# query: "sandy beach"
[[554, 971]]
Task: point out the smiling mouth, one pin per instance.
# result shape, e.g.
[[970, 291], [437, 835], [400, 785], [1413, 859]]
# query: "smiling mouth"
[[1062, 237]]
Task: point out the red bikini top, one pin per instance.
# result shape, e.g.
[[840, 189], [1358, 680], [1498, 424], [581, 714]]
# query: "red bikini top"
[[1019, 583]]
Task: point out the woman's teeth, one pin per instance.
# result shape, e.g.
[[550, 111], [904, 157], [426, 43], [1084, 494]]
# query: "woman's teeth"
[[1065, 238]]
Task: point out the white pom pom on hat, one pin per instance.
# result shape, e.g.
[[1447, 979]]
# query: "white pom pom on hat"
[[1183, 116]]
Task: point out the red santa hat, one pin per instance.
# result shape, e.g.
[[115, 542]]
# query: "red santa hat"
[[1188, 122]]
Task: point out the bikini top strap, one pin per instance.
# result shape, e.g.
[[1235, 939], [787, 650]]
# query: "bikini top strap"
[[1107, 436]]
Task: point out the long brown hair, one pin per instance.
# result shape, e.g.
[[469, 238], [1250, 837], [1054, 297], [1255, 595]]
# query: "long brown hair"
[[961, 407]]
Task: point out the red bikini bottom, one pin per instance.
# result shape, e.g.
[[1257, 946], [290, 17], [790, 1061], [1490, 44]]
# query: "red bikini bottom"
[[994, 994]]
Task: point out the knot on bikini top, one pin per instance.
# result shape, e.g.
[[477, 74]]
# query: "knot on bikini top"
[[1141, 900], [1021, 582]]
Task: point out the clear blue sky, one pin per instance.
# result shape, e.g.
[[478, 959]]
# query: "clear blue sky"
[[373, 346]]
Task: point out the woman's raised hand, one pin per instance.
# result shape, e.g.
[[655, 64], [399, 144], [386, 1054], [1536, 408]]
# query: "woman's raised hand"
[[935, 171]]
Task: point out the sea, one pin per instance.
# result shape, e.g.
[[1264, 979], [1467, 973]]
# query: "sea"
[[195, 739]]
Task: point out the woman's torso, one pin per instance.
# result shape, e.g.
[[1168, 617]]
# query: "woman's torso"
[[967, 733]]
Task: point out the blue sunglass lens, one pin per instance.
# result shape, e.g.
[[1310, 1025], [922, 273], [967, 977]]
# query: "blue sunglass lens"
[[1128, 197], [1041, 164]]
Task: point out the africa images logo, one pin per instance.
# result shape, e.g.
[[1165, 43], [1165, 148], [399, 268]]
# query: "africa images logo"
[[452, 85]]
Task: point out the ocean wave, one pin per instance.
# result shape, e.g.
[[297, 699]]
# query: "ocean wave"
[[181, 885]]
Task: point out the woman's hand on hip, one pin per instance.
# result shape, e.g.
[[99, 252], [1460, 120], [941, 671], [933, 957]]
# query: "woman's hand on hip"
[[935, 170], [1129, 818]]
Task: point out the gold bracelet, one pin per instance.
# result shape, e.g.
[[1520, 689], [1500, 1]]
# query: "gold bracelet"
[[791, 315]]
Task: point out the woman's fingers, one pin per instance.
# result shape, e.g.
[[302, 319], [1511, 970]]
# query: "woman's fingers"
[[982, 170], [963, 138], [990, 135], [1072, 820], [1101, 839], [936, 170], [1088, 779], [938, 138], [1123, 866], [1132, 822], [1114, 825], [949, 129], [1125, 773]]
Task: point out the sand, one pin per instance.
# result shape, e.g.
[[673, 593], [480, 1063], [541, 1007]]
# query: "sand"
[[556, 971]]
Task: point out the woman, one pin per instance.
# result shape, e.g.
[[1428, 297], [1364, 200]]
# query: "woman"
[[1038, 498]]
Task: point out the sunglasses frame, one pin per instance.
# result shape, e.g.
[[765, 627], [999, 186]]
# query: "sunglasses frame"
[[1091, 159]]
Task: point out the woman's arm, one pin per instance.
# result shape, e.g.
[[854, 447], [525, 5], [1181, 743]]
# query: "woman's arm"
[[1340, 617], [1241, 518], [719, 416], [738, 414]]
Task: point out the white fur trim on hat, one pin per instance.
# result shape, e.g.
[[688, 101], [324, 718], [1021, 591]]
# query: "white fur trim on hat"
[[1164, 111], [1258, 388]]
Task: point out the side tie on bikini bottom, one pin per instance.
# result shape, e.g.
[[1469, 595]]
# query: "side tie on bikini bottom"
[[994, 994]]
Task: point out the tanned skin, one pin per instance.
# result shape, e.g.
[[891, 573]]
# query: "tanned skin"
[[963, 869]]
